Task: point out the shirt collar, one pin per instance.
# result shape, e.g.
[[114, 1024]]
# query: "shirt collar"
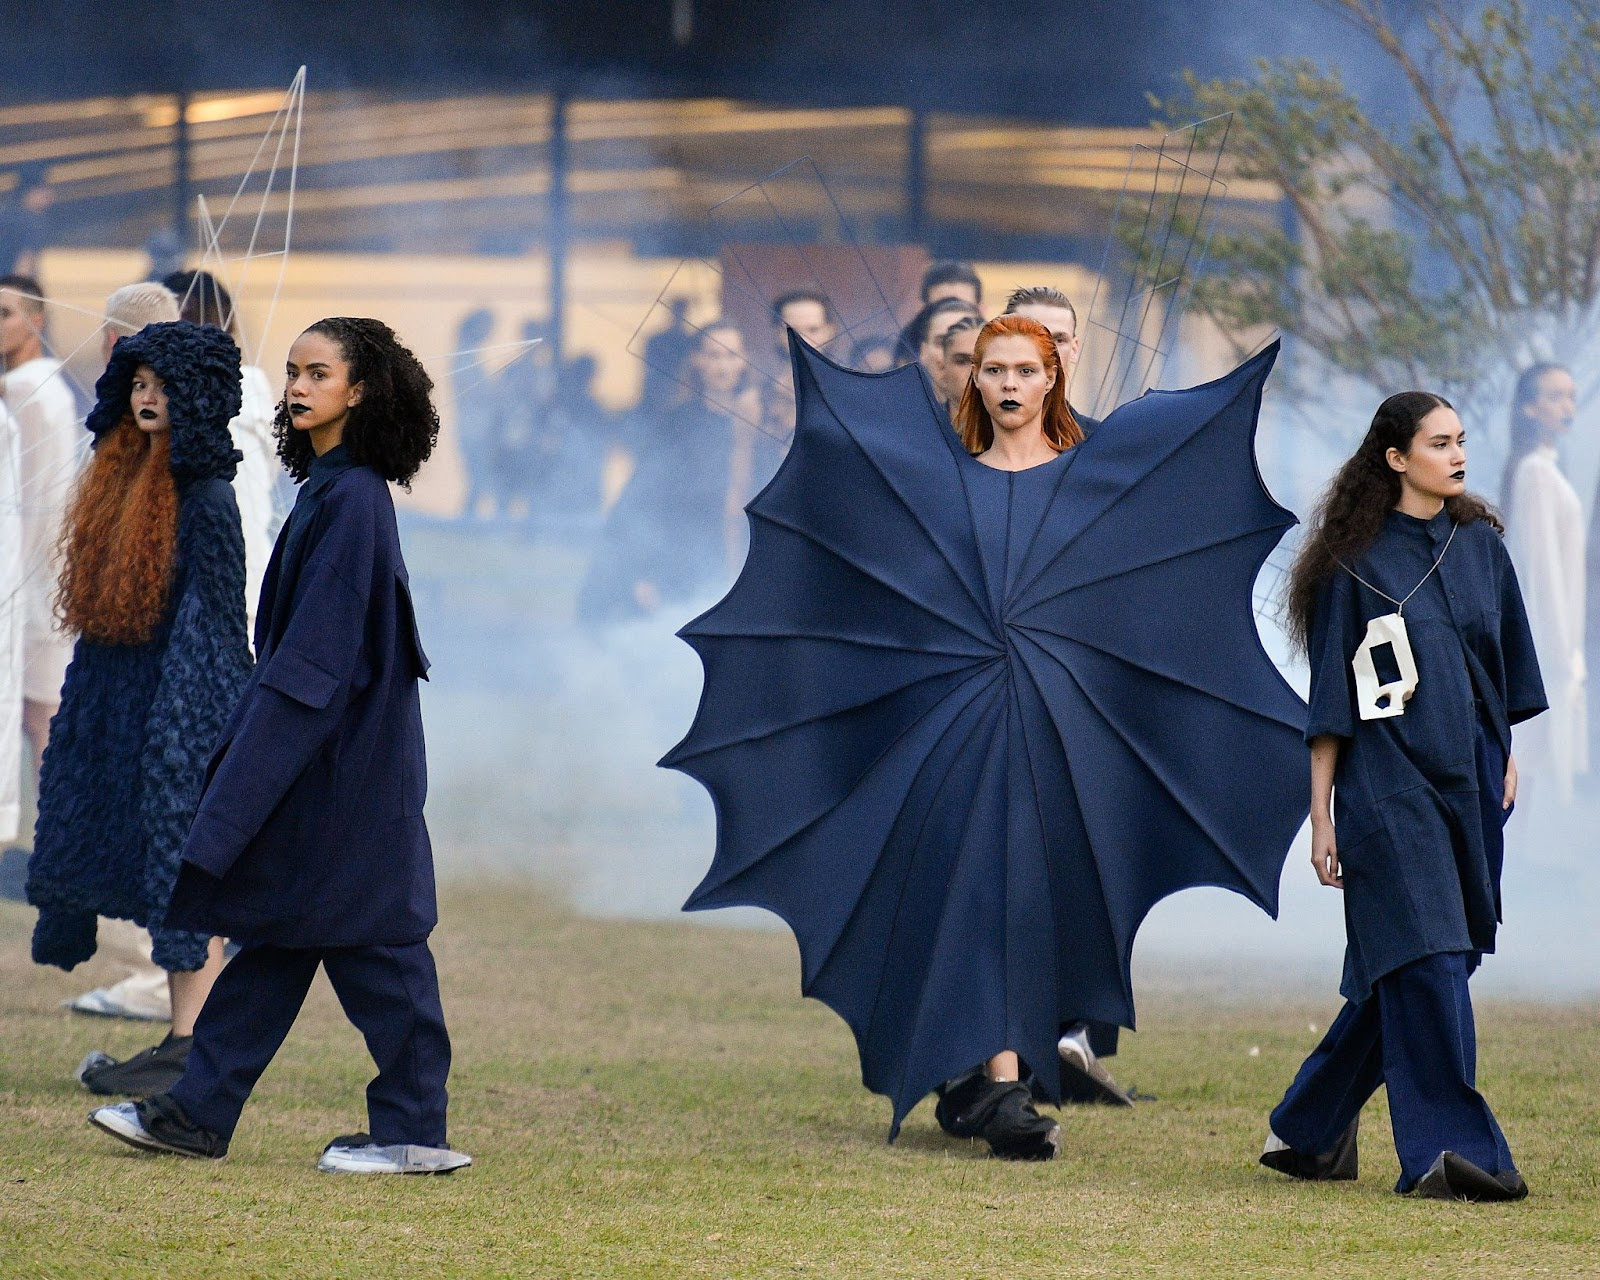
[[1435, 530], [327, 467]]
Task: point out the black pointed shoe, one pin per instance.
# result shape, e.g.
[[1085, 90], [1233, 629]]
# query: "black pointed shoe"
[[1338, 1165], [155, 1070], [1454, 1177]]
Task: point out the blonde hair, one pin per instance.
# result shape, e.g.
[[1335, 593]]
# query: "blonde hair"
[[133, 306]]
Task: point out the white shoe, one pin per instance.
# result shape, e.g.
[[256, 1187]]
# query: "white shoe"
[[360, 1154], [141, 996]]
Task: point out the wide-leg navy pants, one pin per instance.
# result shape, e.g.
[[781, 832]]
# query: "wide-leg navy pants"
[[1415, 1035], [391, 994]]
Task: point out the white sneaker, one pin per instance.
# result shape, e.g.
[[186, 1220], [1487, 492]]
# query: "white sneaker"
[[360, 1154], [141, 996]]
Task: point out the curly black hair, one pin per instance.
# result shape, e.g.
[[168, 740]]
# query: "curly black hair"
[[394, 428], [1351, 513]]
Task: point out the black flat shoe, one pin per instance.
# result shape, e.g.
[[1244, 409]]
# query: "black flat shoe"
[[1338, 1165], [1454, 1177], [155, 1070]]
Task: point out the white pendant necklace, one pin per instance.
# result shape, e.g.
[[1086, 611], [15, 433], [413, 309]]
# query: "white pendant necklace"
[[1376, 700]]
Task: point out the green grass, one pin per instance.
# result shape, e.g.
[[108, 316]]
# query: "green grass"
[[656, 1100]]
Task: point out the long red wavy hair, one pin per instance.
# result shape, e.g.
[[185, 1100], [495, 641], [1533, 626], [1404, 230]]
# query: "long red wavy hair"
[[973, 424], [119, 543]]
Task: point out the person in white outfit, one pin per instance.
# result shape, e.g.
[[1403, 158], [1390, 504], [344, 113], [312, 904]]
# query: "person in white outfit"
[[1545, 534], [202, 299], [50, 446], [11, 609]]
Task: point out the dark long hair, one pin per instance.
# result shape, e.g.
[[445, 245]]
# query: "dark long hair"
[[1524, 434], [394, 428], [1350, 516]]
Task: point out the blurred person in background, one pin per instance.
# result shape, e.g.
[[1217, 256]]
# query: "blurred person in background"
[[873, 353], [809, 313], [152, 583], [45, 417], [1544, 531], [586, 431], [524, 432], [13, 863], [665, 353], [665, 541], [955, 362], [952, 280], [1054, 310], [25, 222], [922, 340], [203, 300], [472, 391]]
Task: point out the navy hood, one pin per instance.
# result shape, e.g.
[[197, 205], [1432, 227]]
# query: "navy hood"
[[200, 366]]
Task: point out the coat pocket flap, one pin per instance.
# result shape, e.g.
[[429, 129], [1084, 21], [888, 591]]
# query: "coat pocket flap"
[[408, 625], [294, 674]]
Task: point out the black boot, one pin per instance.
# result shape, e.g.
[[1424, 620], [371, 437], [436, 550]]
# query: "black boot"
[[1454, 1177], [1338, 1165], [1001, 1113]]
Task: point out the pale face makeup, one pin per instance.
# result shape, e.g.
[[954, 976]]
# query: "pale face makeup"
[[147, 402], [1435, 467]]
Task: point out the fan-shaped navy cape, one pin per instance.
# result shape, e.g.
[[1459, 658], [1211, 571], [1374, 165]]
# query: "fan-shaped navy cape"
[[965, 727]]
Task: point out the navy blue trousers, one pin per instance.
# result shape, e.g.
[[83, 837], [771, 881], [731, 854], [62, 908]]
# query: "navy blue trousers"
[[391, 994], [1415, 1035]]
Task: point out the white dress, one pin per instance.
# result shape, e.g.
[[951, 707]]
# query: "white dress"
[[11, 610], [52, 445], [1546, 538], [255, 482]]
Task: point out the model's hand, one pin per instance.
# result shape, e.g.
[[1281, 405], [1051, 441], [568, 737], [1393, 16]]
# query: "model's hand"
[[1325, 854], [1511, 783]]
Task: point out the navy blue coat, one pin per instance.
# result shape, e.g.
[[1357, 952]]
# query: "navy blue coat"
[[310, 832], [1419, 844], [128, 749]]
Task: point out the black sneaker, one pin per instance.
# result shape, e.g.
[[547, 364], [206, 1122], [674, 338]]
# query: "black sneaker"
[[1454, 1177], [158, 1124], [1338, 1165], [956, 1098], [155, 1070], [1002, 1114]]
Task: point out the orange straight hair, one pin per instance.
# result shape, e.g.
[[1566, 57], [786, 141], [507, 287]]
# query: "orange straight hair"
[[973, 424], [120, 540]]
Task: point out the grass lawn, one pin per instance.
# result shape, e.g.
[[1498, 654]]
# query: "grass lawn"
[[656, 1100]]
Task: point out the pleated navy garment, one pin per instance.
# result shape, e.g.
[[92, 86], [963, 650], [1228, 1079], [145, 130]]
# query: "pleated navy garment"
[[1419, 840], [965, 727]]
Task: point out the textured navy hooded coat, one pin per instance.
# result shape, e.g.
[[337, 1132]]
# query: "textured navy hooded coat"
[[1417, 796], [128, 749], [310, 832]]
